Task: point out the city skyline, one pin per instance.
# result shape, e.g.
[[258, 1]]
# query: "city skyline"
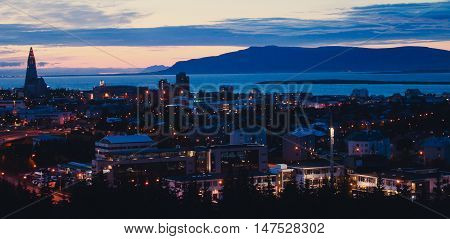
[[110, 35]]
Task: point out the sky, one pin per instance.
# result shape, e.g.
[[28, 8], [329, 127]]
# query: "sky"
[[141, 33]]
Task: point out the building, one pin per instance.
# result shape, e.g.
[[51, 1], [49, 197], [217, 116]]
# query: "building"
[[213, 184], [11, 106], [284, 174], [420, 182], [103, 91], [151, 165], [226, 92], [364, 143], [174, 94], [134, 158], [164, 93], [247, 135], [314, 173], [46, 114], [436, 149], [413, 93], [182, 85], [235, 158], [363, 182], [34, 86], [108, 148], [255, 93], [297, 145], [360, 93]]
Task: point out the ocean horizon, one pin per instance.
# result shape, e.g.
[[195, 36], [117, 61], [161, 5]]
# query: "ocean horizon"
[[242, 82]]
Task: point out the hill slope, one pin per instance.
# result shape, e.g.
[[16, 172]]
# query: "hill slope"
[[272, 59]]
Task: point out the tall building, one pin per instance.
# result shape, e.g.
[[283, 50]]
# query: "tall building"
[[182, 85], [164, 93], [175, 94], [34, 86]]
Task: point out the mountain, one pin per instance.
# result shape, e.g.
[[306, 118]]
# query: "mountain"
[[155, 68], [273, 59]]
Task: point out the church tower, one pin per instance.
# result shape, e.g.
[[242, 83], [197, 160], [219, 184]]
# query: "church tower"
[[34, 86]]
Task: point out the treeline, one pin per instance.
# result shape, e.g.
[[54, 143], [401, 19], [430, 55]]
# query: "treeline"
[[240, 200]]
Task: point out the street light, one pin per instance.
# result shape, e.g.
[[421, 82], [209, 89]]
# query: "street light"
[[331, 155]]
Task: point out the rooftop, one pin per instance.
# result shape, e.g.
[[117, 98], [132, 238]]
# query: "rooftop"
[[366, 135], [319, 163], [302, 132], [126, 139]]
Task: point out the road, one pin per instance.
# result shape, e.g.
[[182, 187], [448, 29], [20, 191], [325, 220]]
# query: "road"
[[9, 136]]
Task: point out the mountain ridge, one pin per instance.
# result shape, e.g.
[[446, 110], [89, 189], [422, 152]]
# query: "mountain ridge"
[[274, 59]]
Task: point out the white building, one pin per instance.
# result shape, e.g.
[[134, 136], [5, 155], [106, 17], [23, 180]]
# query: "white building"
[[419, 181], [316, 172], [284, 176], [363, 143]]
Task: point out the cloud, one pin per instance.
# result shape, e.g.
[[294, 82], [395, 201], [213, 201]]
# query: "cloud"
[[7, 50], [374, 24], [43, 63], [10, 64], [65, 14]]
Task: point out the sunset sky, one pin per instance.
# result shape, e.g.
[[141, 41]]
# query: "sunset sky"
[[140, 33]]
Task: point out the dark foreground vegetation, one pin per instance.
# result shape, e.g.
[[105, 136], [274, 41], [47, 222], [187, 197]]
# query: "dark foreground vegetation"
[[240, 200]]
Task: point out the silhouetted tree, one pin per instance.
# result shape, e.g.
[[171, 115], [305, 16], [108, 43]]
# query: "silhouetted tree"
[[404, 190], [437, 190], [378, 191]]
